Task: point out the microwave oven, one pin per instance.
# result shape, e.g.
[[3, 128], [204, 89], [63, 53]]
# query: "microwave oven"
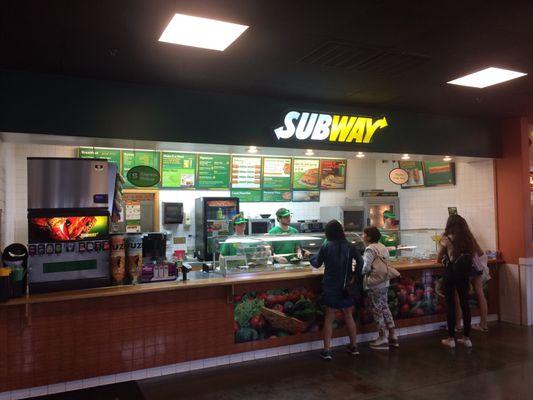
[[260, 225]]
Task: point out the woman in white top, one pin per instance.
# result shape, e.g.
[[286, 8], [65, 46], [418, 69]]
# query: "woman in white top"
[[378, 294]]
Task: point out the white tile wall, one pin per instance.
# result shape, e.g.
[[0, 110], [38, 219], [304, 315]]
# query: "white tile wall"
[[473, 195]]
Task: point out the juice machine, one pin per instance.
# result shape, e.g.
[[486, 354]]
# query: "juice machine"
[[213, 218], [69, 204]]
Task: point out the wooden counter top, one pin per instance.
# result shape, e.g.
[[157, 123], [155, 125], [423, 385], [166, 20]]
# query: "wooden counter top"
[[196, 283]]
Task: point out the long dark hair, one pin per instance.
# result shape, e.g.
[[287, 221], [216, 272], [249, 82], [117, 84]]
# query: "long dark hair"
[[335, 231], [463, 242]]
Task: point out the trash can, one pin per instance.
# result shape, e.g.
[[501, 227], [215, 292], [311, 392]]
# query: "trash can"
[[15, 257]]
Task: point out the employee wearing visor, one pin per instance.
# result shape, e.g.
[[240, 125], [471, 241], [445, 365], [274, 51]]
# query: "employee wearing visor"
[[239, 226], [286, 249], [389, 239]]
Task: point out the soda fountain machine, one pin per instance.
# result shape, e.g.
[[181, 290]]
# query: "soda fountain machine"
[[69, 206]]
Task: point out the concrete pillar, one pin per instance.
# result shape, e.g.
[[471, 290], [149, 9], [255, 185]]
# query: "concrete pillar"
[[514, 222]]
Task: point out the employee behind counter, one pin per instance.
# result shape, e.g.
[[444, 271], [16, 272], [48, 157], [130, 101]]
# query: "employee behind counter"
[[287, 249], [239, 227]]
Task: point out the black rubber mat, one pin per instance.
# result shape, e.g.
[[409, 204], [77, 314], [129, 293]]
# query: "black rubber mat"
[[118, 391]]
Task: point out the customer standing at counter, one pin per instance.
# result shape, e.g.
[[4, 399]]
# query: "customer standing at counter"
[[337, 255], [457, 249], [378, 293], [287, 248], [239, 227]]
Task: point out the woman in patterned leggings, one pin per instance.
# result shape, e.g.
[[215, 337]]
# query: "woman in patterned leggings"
[[378, 293]]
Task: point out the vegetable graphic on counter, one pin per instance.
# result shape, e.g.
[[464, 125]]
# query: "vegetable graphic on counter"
[[275, 313]]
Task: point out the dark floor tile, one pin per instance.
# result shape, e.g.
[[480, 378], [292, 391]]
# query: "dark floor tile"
[[119, 391], [500, 366]]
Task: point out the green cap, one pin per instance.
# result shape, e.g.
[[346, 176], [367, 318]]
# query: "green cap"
[[389, 214], [282, 212], [239, 219]]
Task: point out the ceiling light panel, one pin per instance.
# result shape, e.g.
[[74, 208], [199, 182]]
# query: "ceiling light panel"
[[200, 32], [487, 77]]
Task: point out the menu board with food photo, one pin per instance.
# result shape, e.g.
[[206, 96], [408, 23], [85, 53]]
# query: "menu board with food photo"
[[415, 170], [277, 195], [213, 171], [133, 158], [305, 173], [306, 195], [332, 174], [246, 172], [439, 173], [111, 155], [277, 173], [178, 170]]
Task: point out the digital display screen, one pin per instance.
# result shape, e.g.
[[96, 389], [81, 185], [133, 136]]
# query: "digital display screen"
[[67, 229]]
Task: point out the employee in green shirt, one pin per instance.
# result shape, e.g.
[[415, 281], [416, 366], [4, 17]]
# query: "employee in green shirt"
[[285, 249], [389, 239], [239, 226]]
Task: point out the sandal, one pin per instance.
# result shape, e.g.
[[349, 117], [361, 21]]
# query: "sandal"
[[479, 328]]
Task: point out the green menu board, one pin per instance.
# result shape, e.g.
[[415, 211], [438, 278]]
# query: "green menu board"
[[305, 173], [439, 173], [277, 173], [247, 195], [277, 195], [132, 158], [213, 171], [111, 155], [178, 170]]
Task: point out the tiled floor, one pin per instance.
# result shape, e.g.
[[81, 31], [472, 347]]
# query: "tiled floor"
[[500, 366]]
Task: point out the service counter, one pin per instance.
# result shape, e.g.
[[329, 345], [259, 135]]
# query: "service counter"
[[67, 336]]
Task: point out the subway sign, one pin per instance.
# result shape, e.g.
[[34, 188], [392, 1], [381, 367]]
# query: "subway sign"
[[329, 127]]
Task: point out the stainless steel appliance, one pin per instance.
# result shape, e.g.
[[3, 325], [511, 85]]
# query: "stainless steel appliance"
[[376, 203], [212, 218], [260, 225], [68, 223], [308, 226], [351, 217]]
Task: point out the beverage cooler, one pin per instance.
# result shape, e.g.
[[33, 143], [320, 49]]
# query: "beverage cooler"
[[69, 205], [212, 219]]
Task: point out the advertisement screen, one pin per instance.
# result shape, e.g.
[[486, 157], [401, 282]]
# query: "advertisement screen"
[[66, 229]]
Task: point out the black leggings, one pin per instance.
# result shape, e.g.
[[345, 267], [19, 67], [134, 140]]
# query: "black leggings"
[[457, 277]]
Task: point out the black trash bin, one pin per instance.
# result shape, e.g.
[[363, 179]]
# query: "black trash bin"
[[15, 257]]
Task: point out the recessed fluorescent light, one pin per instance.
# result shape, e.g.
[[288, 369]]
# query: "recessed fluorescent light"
[[487, 77], [252, 149], [447, 158], [360, 154], [405, 157], [201, 32]]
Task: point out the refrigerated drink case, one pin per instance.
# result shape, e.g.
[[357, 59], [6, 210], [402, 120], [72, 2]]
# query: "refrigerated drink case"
[[213, 219]]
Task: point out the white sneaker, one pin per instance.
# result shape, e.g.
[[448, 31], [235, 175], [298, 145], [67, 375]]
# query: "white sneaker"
[[449, 342], [381, 343], [465, 341]]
